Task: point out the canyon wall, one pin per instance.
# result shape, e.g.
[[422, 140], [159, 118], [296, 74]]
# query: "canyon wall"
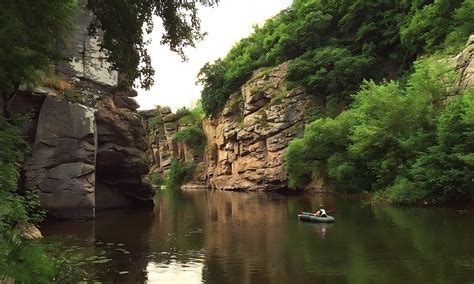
[[88, 144], [161, 125], [87, 152], [247, 140]]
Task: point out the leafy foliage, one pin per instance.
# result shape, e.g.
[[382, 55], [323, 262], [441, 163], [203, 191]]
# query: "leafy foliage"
[[21, 260], [122, 22], [13, 147], [28, 32], [330, 70], [157, 181], [179, 173], [411, 141], [334, 44], [191, 135]]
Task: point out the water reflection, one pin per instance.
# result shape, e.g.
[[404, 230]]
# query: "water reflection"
[[174, 272], [228, 237]]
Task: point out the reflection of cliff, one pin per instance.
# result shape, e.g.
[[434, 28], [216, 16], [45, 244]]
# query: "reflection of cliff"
[[245, 236]]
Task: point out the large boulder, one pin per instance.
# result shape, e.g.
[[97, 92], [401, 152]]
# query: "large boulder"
[[61, 167], [29, 102], [122, 158]]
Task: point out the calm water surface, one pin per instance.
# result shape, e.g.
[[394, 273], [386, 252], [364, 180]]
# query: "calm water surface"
[[229, 237]]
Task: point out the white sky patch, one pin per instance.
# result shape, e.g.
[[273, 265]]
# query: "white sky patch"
[[225, 24]]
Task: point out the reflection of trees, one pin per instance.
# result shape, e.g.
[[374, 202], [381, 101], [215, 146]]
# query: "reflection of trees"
[[129, 228], [386, 244], [436, 239]]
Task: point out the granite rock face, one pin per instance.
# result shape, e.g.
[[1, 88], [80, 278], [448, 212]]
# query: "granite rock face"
[[161, 126], [122, 159], [82, 157], [465, 65], [86, 59], [61, 167], [247, 140]]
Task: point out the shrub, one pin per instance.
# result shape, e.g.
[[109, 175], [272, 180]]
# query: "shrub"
[[179, 173], [157, 181], [154, 122], [21, 260], [191, 135]]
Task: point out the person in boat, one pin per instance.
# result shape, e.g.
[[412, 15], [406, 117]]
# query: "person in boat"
[[321, 212]]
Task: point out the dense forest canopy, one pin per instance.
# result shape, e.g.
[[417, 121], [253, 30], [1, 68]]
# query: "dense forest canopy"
[[410, 139], [340, 41]]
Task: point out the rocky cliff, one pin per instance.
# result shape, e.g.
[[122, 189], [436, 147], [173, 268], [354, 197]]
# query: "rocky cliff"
[[161, 125], [88, 144], [247, 140], [88, 152]]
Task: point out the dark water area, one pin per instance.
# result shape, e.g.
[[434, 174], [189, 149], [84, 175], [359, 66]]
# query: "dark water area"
[[231, 237]]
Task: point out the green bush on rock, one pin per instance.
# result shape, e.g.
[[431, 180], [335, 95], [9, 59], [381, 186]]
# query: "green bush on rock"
[[179, 173]]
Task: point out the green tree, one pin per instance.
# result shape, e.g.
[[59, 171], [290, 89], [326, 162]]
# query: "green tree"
[[28, 33], [122, 22], [446, 171], [411, 142], [24, 261], [330, 71], [334, 44]]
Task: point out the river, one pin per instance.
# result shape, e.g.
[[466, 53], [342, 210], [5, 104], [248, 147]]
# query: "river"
[[232, 237]]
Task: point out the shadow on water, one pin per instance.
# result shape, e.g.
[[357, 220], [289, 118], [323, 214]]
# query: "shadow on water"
[[234, 237]]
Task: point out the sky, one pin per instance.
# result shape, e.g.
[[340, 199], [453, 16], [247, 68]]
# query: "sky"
[[225, 24]]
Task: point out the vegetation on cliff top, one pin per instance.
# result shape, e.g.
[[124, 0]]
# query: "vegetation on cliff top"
[[400, 138], [335, 44]]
